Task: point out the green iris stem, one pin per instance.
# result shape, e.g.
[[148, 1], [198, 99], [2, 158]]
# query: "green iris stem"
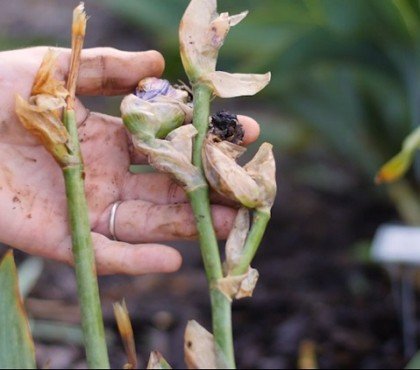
[[253, 241], [83, 254], [200, 201]]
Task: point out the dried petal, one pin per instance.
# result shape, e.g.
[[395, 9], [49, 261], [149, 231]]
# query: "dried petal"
[[397, 166], [165, 156], [157, 362], [239, 286], [79, 20], [262, 168], [253, 185], [44, 123], [126, 331], [45, 82], [230, 85], [199, 347], [236, 239], [226, 176], [202, 33]]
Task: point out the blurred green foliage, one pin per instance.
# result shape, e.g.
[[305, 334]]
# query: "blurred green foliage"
[[348, 71]]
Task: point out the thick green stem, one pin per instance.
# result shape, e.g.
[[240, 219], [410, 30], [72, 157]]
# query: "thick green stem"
[[200, 201], [253, 241], [406, 201], [84, 259]]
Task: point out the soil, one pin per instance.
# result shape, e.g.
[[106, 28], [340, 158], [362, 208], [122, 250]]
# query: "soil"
[[312, 290]]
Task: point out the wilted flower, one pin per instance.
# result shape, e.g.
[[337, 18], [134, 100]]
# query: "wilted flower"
[[173, 155], [41, 114], [397, 166], [156, 108], [202, 33], [253, 185]]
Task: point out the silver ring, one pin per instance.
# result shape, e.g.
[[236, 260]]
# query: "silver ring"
[[112, 219]]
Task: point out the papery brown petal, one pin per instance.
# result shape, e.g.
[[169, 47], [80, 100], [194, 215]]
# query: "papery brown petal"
[[236, 239], [226, 176], [262, 168], [197, 51], [165, 157], [230, 85], [239, 286], [182, 139], [199, 348], [46, 126], [45, 82]]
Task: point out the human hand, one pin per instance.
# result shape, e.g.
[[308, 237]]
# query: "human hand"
[[33, 211]]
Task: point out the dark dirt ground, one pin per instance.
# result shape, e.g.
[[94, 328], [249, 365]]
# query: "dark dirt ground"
[[311, 286]]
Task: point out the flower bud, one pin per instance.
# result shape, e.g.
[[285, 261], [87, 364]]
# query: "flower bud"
[[253, 185], [397, 166], [155, 109]]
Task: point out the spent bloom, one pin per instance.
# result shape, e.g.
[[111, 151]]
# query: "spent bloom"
[[202, 33], [41, 113], [253, 186], [156, 108]]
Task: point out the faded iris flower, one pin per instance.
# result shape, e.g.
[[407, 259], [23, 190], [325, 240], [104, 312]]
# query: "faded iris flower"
[[156, 108], [41, 114], [253, 185], [202, 33]]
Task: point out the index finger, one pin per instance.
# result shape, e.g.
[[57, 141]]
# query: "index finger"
[[109, 71]]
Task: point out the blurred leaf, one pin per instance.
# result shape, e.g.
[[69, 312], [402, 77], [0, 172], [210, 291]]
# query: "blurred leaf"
[[29, 273], [16, 344], [414, 362]]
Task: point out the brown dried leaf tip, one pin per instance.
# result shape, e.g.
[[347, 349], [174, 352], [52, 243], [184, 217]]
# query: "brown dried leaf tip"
[[202, 33], [41, 114], [126, 331]]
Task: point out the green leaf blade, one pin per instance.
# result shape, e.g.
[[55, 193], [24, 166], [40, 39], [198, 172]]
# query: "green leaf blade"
[[16, 344]]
